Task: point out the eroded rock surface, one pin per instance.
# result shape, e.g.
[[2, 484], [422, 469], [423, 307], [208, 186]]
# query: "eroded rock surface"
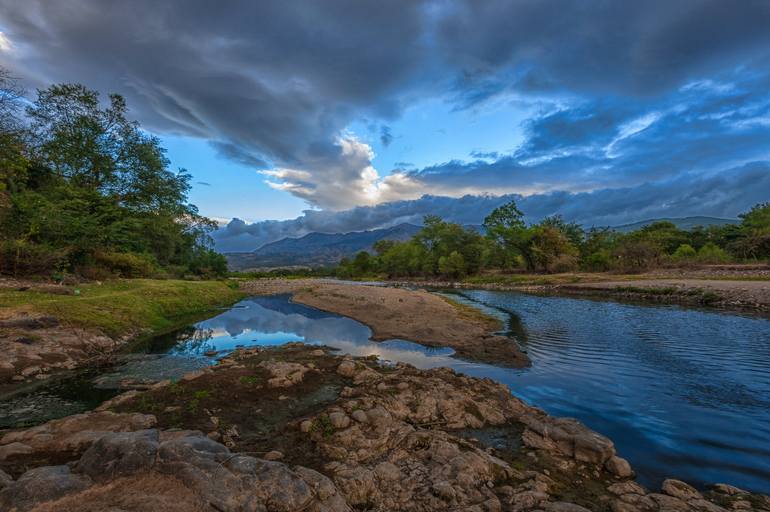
[[387, 438]]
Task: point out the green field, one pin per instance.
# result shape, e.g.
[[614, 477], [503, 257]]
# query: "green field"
[[124, 307]]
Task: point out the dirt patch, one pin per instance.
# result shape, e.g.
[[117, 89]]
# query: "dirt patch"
[[414, 315]]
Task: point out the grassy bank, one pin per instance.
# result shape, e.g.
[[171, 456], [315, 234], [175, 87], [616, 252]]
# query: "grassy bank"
[[126, 306]]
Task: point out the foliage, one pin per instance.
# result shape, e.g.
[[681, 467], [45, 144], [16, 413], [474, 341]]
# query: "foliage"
[[84, 188], [554, 245], [684, 252]]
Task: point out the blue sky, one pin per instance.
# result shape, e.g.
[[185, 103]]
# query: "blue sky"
[[339, 115]]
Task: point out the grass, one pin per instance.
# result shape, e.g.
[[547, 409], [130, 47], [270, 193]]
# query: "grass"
[[473, 314], [124, 307]]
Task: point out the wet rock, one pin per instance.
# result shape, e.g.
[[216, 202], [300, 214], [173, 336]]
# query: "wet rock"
[[40, 485], [679, 489], [119, 454], [619, 467]]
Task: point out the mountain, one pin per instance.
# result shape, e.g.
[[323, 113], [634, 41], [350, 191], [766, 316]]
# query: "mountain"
[[685, 223], [317, 249]]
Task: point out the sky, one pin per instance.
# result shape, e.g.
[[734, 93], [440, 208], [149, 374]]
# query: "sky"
[[340, 115]]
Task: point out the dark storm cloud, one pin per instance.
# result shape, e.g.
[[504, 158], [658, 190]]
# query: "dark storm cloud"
[[638, 48], [633, 94]]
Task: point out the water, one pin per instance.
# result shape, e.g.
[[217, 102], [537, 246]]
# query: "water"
[[683, 393]]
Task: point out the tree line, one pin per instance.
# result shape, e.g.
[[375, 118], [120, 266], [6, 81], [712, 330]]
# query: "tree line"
[[84, 190], [507, 243]]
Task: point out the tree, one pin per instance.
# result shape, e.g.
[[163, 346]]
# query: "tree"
[[505, 227], [452, 266], [572, 230], [752, 238], [549, 247], [95, 193]]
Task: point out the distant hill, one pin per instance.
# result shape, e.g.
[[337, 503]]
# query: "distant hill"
[[685, 223], [317, 249]]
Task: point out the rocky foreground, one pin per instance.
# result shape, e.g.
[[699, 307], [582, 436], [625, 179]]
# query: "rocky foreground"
[[297, 429]]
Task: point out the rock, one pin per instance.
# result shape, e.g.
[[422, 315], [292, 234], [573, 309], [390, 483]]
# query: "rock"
[[727, 489], [668, 503], [359, 416], [626, 488], [619, 467], [74, 434], [679, 489], [318, 353], [273, 455], [10, 450], [284, 374], [347, 369], [339, 420], [5, 480], [119, 454], [38, 322], [705, 506], [39, 485], [443, 490], [563, 506], [387, 471], [306, 426]]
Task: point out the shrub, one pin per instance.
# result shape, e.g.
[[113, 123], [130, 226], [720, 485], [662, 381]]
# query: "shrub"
[[637, 255], [684, 252], [126, 264], [18, 257], [597, 262], [711, 253]]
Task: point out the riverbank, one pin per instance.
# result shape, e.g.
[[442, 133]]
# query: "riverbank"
[[44, 328], [740, 288], [296, 428], [396, 313]]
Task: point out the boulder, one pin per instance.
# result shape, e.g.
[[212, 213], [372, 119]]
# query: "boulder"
[[679, 489], [619, 467], [39, 485], [119, 454]]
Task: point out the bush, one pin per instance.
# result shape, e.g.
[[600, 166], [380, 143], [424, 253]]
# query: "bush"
[[126, 264], [711, 253], [684, 252], [597, 262], [452, 265], [637, 255], [18, 257]]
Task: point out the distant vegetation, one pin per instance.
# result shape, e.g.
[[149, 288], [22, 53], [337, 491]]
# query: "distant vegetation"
[[444, 249], [84, 190]]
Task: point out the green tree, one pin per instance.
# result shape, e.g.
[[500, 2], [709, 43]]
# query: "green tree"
[[452, 266]]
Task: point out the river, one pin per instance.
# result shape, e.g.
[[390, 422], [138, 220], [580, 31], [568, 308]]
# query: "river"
[[683, 393]]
